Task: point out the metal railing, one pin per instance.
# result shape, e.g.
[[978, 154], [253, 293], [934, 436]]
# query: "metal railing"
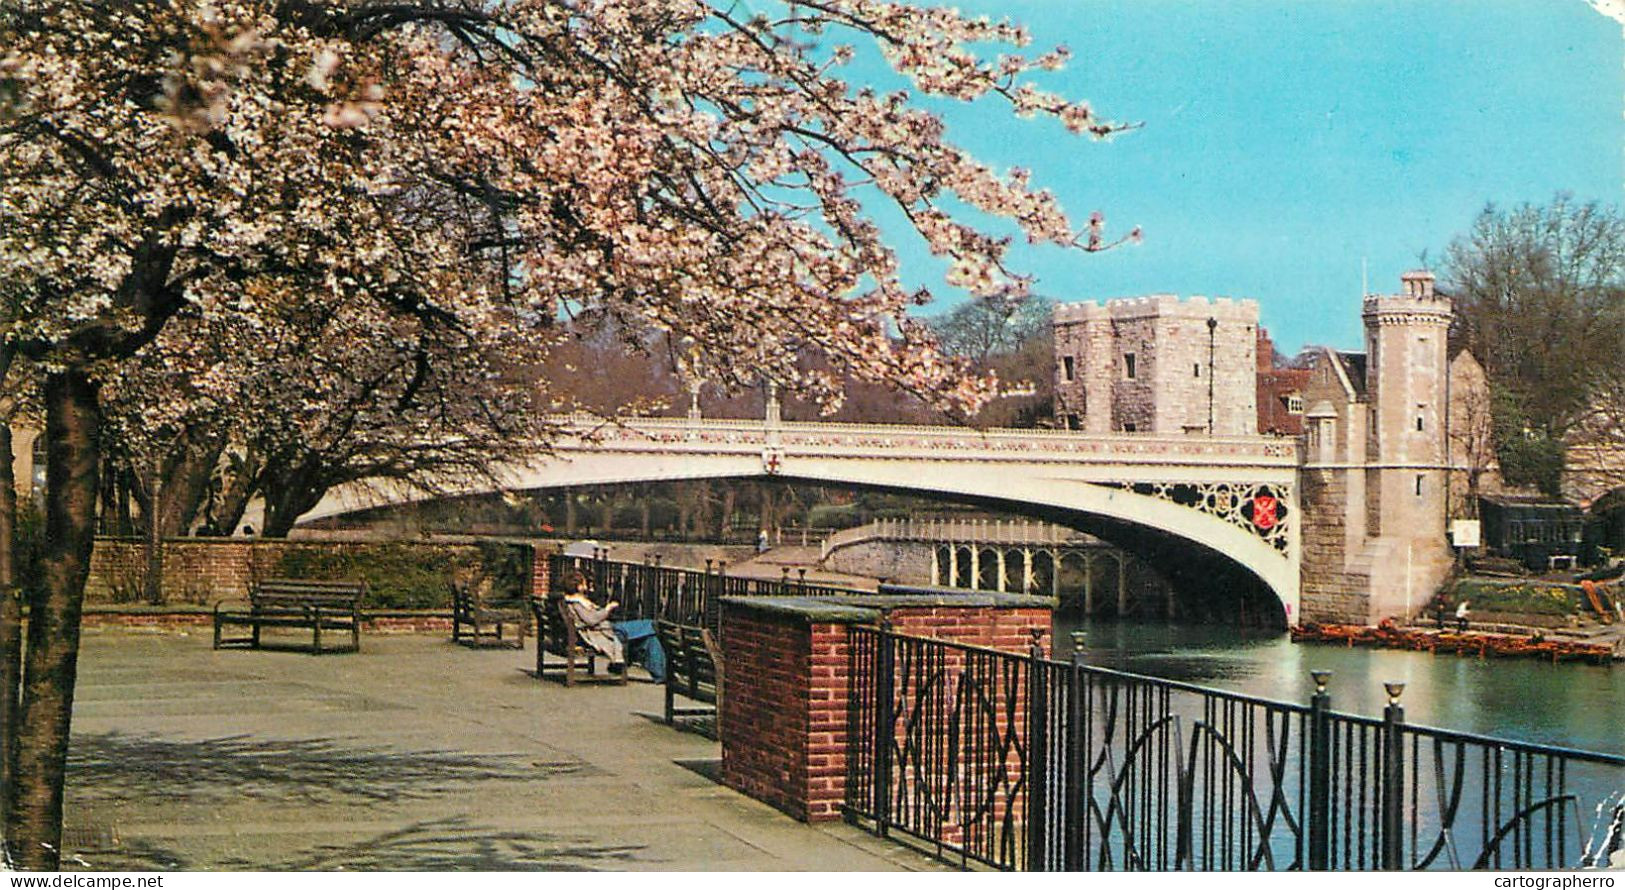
[[964, 531], [1025, 763], [684, 596]]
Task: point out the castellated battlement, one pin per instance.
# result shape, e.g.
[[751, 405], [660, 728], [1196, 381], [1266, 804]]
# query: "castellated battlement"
[[1160, 306], [1392, 308], [1418, 302]]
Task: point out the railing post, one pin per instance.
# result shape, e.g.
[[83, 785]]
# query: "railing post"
[[1074, 812], [885, 719], [1037, 755], [1393, 779], [1320, 773]]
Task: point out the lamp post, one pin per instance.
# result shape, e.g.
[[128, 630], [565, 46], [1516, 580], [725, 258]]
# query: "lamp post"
[[1212, 328]]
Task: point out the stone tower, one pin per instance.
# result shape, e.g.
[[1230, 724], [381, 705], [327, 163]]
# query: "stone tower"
[[1376, 479], [1157, 364], [1407, 369]]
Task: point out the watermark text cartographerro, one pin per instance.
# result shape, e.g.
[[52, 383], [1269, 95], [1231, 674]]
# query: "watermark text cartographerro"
[[1558, 882]]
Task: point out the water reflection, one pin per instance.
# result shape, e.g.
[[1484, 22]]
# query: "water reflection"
[[1573, 705]]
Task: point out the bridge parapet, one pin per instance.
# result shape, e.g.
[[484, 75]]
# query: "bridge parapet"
[[686, 435]]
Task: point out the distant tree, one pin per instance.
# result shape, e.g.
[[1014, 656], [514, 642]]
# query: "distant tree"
[[1013, 340], [1471, 433], [978, 329], [1540, 292]]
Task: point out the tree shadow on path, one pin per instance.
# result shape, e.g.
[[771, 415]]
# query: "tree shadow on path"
[[452, 844], [303, 771]]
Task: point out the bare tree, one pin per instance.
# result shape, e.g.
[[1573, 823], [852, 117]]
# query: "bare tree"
[[1541, 295]]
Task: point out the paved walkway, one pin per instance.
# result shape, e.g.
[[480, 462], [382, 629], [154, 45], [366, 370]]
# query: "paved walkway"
[[413, 754]]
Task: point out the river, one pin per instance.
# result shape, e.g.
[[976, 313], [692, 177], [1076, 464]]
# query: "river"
[[1571, 705]]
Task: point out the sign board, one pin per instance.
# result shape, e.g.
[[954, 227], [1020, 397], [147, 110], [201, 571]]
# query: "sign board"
[[1465, 533]]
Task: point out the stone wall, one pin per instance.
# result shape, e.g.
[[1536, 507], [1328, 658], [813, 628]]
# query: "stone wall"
[[783, 718], [1173, 357], [1330, 592], [900, 562]]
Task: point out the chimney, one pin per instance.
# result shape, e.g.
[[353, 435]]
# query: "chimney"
[[1418, 283]]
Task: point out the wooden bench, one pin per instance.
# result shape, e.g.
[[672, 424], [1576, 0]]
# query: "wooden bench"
[[322, 606], [692, 670], [486, 619], [556, 635]]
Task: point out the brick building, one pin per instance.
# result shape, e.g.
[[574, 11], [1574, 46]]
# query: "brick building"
[[1157, 364], [1280, 392]]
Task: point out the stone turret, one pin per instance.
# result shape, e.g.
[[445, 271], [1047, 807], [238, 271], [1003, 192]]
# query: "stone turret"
[[1407, 369], [1375, 487]]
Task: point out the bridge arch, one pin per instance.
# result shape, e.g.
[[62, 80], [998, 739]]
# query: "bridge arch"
[[1052, 487]]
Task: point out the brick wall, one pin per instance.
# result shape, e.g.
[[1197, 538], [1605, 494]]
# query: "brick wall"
[[765, 718], [784, 708], [150, 620], [1007, 629], [540, 570], [205, 570]]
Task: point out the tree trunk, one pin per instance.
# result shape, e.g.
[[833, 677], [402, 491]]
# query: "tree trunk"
[[236, 490], [185, 484], [285, 508], [72, 428], [152, 539], [11, 633], [725, 521], [685, 507]]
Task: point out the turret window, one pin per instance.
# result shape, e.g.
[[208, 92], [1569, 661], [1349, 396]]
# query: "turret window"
[[1128, 365], [1068, 369]]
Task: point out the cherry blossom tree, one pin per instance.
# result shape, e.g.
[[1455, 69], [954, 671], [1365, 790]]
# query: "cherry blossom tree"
[[426, 173]]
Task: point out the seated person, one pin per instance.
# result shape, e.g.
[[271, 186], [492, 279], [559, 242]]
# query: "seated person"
[[592, 623]]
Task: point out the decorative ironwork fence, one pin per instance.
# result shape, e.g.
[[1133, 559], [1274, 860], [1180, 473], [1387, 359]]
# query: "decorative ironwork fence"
[[683, 596], [1027, 763]]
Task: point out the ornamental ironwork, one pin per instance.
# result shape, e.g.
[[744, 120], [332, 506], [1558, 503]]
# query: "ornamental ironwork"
[[1025, 763], [1258, 507]]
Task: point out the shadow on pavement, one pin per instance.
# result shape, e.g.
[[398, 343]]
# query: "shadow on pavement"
[[453, 845], [309, 771]]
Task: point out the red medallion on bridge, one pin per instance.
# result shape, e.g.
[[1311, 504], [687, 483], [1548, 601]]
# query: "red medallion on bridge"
[[1265, 511]]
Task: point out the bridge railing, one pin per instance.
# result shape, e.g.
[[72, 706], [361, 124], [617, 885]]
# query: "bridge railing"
[[1027, 763], [958, 531], [676, 432], [667, 593]]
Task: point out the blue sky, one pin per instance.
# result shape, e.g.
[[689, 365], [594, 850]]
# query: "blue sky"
[[1284, 141]]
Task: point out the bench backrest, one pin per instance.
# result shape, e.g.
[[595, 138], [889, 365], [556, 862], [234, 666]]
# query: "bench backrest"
[[555, 630], [471, 596], [292, 593], [688, 659]]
